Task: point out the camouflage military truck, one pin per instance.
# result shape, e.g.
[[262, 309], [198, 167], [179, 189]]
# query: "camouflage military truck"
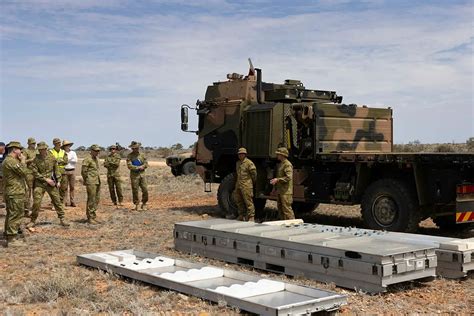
[[341, 153], [180, 164]]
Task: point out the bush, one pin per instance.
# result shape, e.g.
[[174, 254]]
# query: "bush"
[[60, 285], [444, 148], [470, 144]]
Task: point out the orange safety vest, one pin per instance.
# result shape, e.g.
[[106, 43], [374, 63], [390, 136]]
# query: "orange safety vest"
[[58, 155]]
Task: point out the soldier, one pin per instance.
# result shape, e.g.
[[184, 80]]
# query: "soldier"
[[243, 193], [137, 164], [112, 163], [283, 184], [91, 179], [47, 178], [14, 173], [2, 157], [69, 177], [30, 155], [61, 157]]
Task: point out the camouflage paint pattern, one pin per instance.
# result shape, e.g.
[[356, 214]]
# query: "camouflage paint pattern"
[[306, 121]]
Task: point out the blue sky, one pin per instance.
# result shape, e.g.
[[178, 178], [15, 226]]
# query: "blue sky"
[[117, 70]]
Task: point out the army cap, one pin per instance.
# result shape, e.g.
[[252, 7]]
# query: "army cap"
[[66, 143], [14, 144], [42, 145], [56, 140], [134, 144], [112, 147], [31, 141], [95, 147], [242, 150], [282, 151]]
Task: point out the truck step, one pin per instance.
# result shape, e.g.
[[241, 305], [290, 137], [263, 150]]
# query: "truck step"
[[242, 290]]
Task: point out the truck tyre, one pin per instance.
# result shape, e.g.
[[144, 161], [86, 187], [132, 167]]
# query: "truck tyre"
[[303, 207], [224, 196], [189, 167], [175, 172], [389, 204]]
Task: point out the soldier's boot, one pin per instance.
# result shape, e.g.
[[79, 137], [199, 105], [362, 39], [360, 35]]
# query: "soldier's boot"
[[93, 221], [31, 224], [135, 208], [144, 207], [64, 222], [120, 204], [13, 241], [251, 219]]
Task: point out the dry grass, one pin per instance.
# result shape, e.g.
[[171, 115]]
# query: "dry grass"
[[44, 279]]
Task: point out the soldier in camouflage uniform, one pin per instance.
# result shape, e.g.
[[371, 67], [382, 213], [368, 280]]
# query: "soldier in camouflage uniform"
[[137, 164], [14, 173], [91, 179], [283, 184], [30, 155], [112, 163], [243, 193], [61, 158], [3, 155], [47, 178]]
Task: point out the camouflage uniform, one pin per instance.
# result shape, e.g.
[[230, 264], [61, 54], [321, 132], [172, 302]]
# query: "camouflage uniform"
[[135, 160], [284, 186], [2, 157], [91, 179], [62, 160], [112, 163], [243, 193], [30, 155], [14, 174], [43, 169]]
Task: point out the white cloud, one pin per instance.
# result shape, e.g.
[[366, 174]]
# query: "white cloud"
[[408, 61]]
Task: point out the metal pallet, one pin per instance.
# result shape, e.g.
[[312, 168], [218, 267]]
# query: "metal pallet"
[[245, 291], [356, 262], [455, 256]]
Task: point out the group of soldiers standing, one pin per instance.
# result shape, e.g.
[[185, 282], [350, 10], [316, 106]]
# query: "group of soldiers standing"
[[29, 173], [246, 180], [33, 171]]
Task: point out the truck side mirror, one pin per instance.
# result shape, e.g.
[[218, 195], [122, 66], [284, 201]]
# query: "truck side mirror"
[[184, 118]]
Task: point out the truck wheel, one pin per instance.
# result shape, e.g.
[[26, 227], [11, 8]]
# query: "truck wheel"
[[224, 196], [175, 172], [189, 168], [390, 205], [303, 207]]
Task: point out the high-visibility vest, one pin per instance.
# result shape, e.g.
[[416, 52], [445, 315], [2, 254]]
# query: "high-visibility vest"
[[59, 156]]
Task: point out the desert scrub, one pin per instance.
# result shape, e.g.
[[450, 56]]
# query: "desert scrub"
[[62, 284]]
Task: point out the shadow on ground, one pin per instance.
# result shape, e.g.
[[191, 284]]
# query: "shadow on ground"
[[211, 210]]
